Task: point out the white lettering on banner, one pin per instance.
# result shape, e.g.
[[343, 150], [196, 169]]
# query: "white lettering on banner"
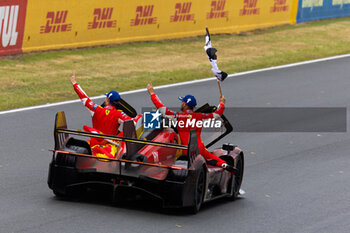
[[312, 3], [8, 25], [340, 2]]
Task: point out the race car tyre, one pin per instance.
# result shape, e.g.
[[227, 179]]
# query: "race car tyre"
[[198, 193], [58, 194], [65, 170], [236, 181], [70, 160], [66, 160]]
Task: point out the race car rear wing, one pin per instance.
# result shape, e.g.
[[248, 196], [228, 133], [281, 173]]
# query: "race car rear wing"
[[117, 138], [61, 134]]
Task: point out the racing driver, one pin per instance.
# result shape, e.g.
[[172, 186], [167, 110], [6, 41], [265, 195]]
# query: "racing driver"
[[104, 119], [188, 103]]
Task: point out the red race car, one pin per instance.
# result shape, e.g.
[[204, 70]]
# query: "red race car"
[[148, 164]]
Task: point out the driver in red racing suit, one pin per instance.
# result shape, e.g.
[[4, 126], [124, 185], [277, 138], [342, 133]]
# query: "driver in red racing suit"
[[188, 103], [104, 119]]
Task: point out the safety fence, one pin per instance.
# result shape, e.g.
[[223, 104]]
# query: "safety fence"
[[32, 25]]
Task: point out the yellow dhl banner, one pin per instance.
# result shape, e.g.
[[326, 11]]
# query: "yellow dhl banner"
[[59, 24]]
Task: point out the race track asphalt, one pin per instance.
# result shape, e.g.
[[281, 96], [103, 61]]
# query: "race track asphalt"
[[294, 182]]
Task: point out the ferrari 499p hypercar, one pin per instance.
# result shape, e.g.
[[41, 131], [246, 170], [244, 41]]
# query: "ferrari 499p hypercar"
[[150, 164]]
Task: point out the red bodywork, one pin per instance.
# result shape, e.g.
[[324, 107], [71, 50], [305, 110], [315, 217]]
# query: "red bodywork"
[[153, 163], [154, 154]]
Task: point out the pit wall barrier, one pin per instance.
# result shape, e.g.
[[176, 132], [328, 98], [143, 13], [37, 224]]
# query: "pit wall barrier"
[[12, 20], [32, 25], [322, 9]]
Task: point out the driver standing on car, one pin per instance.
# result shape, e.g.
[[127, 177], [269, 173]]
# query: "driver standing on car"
[[104, 119], [188, 103]]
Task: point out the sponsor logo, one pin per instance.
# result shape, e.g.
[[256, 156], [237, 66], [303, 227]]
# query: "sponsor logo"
[[8, 18], [102, 19], [311, 3], [144, 16], [250, 8], [182, 12], [217, 10], [151, 120], [191, 123], [279, 6], [12, 19], [340, 2], [56, 22]]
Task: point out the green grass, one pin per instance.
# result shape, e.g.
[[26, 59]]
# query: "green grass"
[[43, 77]]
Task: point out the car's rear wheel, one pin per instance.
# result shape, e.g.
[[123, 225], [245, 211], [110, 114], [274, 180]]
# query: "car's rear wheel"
[[66, 160], [64, 170], [198, 193], [70, 160], [236, 181], [58, 194]]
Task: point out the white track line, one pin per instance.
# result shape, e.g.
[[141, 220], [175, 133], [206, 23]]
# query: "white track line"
[[179, 84]]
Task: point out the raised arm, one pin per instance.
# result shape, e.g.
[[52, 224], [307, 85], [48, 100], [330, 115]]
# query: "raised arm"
[[156, 101], [88, 103], [221, 107]]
